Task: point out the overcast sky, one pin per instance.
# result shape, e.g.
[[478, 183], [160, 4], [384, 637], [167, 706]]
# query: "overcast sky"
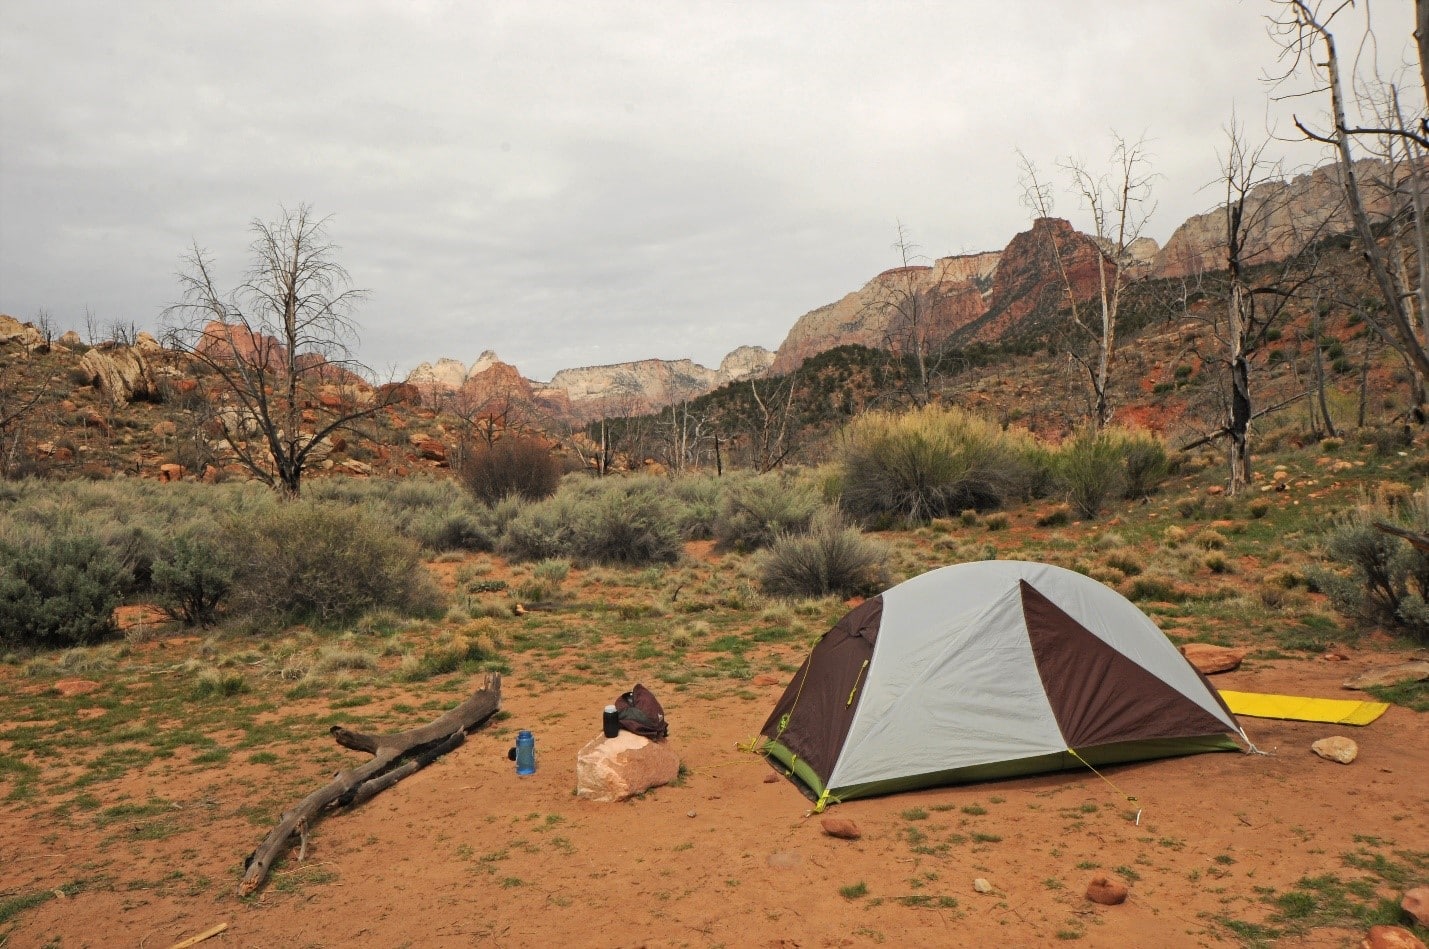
[[581, 183]]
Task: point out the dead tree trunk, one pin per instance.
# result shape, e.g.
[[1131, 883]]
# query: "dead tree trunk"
[[394, 757]]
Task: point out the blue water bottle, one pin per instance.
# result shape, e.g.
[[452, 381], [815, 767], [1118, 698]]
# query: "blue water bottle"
[[525, 753]]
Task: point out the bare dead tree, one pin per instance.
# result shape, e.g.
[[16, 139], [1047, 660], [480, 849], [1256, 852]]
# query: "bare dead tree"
[[1387, 126], [1259, 227], [280, 344], [908, 312], [1120, 203]]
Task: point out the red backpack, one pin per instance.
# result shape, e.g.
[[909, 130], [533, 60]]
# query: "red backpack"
[[640, 712]]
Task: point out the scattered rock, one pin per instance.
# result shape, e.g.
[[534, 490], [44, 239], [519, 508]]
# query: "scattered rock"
[[614, 769], [1390, 937], [1416, 904], [982, 886], [1416, 670], [1336, 748], [1106, 891], [171, 472], [165, 428], [841, 828], [765, 678], [771, 778], [783, 861], [71, 339], [1209, 659], [26, 334], [121, 372]]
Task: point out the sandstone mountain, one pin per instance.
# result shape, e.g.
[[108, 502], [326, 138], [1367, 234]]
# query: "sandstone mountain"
[[1284, 215], [951, 292], [581, 394]]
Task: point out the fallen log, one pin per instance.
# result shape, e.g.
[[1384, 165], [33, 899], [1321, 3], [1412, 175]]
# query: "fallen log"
[[394, 758]]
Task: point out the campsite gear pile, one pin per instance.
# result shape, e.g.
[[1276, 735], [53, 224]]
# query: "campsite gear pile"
[[640, 712], [988, 670]]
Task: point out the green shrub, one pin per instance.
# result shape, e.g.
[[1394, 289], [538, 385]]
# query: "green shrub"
[[632, 522], [514, 465], [307, 561], [700, 497], [830, 558], [628, 521], [754, 511], [193, 578], [59, 591], [1144, 460], [1090, 470], [1388, 579], [934, 462]]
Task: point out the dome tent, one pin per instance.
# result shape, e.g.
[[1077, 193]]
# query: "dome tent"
[[988, 670]]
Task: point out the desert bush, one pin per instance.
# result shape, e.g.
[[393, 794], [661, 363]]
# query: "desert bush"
[[1057, 516], [632, 522], [514, 465], [1145, 461], [1090, 470], [307, 561], [700, 497], [1387, 579], [58, 591], [541, 530], [192, 578], [934, 462], [830, 558], [625, 521], [754, 511]]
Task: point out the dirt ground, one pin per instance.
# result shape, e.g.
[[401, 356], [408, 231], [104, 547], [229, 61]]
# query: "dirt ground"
[[467, 853]]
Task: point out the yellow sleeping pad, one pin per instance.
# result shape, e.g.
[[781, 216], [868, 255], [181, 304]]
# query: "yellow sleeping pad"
[[1303, 708]]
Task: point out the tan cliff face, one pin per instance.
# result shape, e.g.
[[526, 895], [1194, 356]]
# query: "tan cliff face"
[[950, 292], [1284, 215]]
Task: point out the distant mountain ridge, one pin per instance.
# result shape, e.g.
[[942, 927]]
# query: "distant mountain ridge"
[[969, 298]]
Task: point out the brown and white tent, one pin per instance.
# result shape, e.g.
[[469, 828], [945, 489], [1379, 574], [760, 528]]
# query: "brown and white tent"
[[988, 670]]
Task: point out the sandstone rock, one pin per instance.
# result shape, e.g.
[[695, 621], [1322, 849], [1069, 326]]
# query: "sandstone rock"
[[1416, 904], [165, 429], [1414, 671], [765, 678], [71, 339], [614, 769], [771, 778], [67, 406], [841, 828], [353, 466], [146, 343], [982, 886], [210, 474], [171, 472], [13, 331], [1209, 659], [1336, 748], [432, 450], [1106, 891], [121, 373], [1390, 937]]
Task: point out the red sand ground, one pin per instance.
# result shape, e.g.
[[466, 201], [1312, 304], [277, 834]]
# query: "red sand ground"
[[466, 853]]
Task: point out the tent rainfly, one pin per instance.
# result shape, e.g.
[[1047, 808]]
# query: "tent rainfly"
[[988, 670]]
